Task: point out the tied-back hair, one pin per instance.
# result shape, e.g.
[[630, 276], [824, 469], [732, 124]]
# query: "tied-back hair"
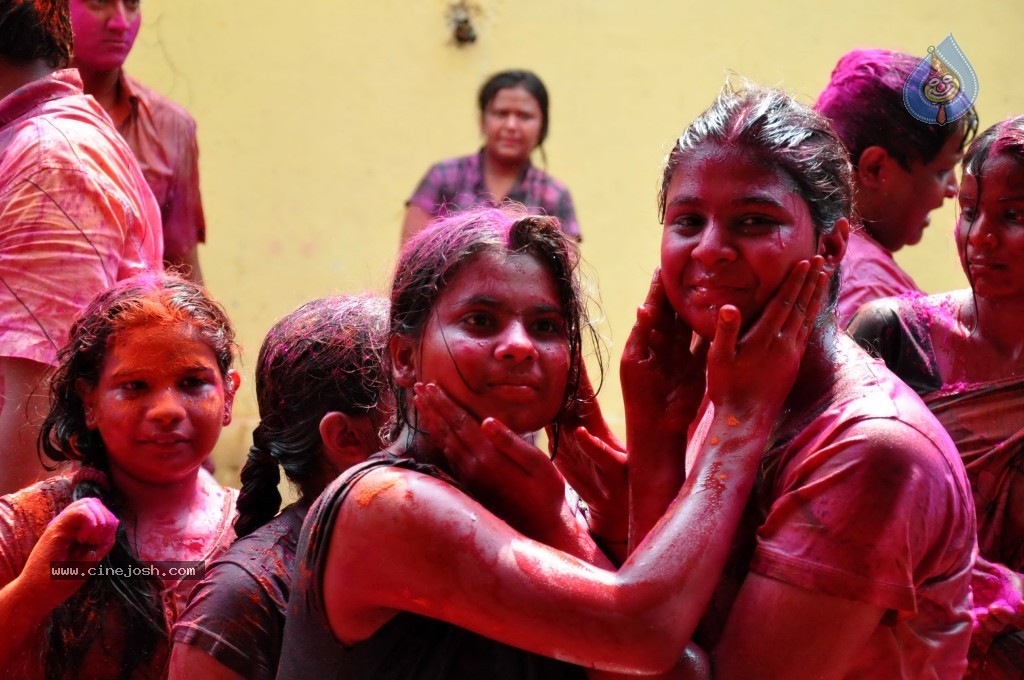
[[36, 29], [773, 127], [77, 624], [864, 102], [325, 356], [432, 258]]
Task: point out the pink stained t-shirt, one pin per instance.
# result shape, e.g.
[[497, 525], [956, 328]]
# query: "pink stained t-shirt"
[[162, 135], [832, 515], [76, 214], [24, 516], [868, 273]]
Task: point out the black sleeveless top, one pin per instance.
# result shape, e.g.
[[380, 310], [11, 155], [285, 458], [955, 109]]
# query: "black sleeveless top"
[[409, 646]]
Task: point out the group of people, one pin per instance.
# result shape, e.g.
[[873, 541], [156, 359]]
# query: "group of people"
[[784, 504]]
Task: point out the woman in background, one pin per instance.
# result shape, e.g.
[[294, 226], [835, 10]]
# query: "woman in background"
[[514, 121]]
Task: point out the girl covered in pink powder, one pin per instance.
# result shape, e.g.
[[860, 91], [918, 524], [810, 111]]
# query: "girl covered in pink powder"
[[453, 553], [963, 352], [853, 558], [323, 402], [95, 568]]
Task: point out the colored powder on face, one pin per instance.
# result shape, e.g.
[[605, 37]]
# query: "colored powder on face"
[[732, 422], [714, 440]]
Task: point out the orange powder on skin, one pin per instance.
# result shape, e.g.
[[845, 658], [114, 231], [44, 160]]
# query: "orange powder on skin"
[[368, 495], [732, 422]]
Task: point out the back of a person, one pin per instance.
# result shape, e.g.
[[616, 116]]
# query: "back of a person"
[[71, 133]]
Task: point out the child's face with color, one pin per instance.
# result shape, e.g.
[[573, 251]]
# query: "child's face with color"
[[496, 341], [105, 31], [733, 230], [990, 228], [160, 402]]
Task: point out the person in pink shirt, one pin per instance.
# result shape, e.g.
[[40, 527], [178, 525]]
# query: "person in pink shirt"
[[903, 169], [76, 216], [853, 557], [161, 134]]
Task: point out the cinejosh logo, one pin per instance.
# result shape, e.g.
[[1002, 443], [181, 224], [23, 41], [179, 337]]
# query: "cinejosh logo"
[[165, 570]]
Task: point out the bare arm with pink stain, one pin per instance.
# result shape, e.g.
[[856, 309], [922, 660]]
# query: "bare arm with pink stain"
[[453, 559]]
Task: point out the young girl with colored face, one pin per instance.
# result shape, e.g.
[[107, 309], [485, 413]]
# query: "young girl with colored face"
[[514, 122], [322, 399], [411, 566], [853, 556], [963, 352], [141, 393]]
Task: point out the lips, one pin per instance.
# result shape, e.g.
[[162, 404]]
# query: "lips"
[[166, 439]]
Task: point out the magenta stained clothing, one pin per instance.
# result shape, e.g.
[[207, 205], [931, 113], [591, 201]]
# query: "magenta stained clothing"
[[25, 514], [894, 528], [76, 215], [236, 613], [986, 422], [868, 273], [162, 135], [458, 183]]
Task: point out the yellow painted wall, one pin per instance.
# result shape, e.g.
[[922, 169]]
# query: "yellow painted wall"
[[317, 119]]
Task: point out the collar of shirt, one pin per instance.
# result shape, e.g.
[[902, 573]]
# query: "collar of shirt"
[[61, 83]]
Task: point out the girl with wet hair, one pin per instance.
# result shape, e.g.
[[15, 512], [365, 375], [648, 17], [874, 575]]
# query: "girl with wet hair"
[[453, 553], [322, 400], [963, 352], [95, 568], [514, 121], [854, 554]]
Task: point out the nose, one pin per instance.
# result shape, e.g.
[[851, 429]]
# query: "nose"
[[119, 17], [166, 407], [951, 185], [515, 344], [714, 246], [980, 235]]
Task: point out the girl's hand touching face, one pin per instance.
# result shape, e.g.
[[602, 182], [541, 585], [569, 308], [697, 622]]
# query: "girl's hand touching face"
[[83, 533], [509, 476], [755, 373]]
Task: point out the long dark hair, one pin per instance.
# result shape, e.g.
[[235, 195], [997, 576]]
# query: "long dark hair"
[[77, 624], [325, 356], [435, 255]]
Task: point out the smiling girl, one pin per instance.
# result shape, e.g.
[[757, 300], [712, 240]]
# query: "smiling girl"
[[405, 571], [141, 393], [853, 557]]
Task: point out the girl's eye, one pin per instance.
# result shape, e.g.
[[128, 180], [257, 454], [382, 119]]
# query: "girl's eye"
[[1015, 216], [133, 385], [548, 326], [477, 320], [687, 223], [757, 224], [967, 213], [193, 382]]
